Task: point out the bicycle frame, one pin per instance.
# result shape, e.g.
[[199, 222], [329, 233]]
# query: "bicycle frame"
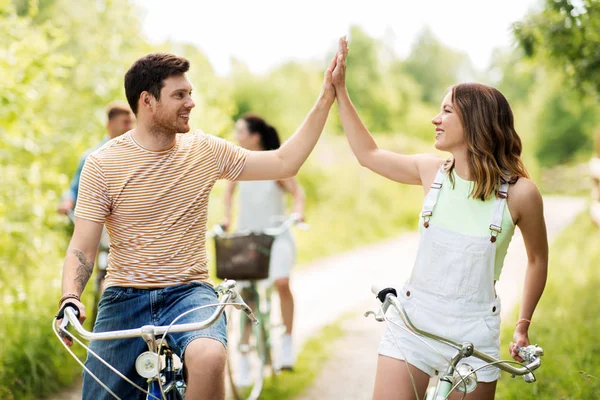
[[446, 385], [262, 304], [262, 307]]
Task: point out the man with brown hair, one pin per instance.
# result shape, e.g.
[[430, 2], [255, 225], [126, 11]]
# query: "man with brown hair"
[[150, 187], [120, 120]]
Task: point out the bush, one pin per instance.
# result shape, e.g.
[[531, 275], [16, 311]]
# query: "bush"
[[566, 322]]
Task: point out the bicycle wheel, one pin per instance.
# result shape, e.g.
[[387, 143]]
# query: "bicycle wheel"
[[267, 325], [245, 361]]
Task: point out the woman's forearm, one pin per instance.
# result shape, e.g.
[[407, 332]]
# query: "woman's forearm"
[[228, 205], [299, 200], [535, 281], [361, 141]]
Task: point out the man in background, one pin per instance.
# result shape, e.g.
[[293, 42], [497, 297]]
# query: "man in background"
[[120, 120]]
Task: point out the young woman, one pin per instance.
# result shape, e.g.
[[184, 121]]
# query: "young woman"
[[262, 205], [473, 201]]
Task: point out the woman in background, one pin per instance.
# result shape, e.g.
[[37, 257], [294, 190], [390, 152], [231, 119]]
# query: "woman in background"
[[262, 205]]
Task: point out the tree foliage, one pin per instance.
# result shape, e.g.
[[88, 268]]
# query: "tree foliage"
[[567, 32]]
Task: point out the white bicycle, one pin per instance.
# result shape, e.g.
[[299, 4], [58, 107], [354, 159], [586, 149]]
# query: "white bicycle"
[[463, 377], [165, 381]]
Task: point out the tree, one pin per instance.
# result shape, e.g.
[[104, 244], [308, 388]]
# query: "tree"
[[567, 32], [436, 67], [564, 124]]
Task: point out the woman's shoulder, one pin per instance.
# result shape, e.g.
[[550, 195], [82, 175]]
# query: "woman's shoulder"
[[524, 189], [524, 196]]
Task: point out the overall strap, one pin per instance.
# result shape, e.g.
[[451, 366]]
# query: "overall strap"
[[432, 196], [496, 225]]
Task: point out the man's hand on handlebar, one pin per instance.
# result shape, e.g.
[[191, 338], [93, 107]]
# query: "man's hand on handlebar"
[[75, 304]]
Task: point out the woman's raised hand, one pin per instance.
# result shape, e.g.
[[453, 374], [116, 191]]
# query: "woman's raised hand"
[[339, 72]]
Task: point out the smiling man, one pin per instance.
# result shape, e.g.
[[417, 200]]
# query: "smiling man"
[[150, 188]]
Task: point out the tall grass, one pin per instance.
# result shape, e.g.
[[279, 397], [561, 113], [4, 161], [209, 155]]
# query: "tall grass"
[[566, 323]]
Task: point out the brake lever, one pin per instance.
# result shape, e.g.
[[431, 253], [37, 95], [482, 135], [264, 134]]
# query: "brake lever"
[[377, 316]]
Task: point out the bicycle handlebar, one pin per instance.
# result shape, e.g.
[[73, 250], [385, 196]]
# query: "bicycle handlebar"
[[287, 223], [531, 354], [229, 297]]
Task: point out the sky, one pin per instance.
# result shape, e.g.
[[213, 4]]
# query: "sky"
[[266, 33]]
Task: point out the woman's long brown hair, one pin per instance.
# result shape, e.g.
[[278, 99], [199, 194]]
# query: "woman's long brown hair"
[[493, 145]]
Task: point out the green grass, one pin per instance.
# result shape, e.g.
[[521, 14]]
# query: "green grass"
[[566, 323], [310, 361]]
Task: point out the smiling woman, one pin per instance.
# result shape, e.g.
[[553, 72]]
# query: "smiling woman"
[[466, 224], [462, 127]]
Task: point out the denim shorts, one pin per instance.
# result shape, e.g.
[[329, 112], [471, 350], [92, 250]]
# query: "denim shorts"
[[127, 308]]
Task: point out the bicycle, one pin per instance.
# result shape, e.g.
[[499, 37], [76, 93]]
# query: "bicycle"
[[463, 377], [165, 381], [245, 256], [102, 264]]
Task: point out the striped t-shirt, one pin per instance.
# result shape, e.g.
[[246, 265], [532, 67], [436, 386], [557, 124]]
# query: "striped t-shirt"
[[154, 205]]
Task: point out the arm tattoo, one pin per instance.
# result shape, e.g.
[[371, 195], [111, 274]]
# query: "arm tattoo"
[[84, 269]]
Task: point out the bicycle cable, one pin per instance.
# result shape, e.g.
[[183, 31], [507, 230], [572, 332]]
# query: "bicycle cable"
[[389, 321], [164, 335], [78, 341], [72, 337]]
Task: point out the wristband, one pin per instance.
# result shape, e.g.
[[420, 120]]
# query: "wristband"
[[523, 320], [68, 296]]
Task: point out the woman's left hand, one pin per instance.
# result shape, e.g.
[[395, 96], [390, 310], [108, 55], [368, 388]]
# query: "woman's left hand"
[[338, 75], [521, 339]]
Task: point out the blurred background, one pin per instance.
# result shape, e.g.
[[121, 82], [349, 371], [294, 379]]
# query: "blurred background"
[[62, 62]]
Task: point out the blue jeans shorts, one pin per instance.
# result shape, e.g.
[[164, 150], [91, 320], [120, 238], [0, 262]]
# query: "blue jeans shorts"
[[127, 308]]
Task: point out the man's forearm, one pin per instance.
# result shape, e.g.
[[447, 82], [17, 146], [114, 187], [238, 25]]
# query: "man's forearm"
[[77, 270], [297, 148]]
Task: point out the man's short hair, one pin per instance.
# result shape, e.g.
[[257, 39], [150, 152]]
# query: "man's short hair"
[[117, 108], [148, 74]]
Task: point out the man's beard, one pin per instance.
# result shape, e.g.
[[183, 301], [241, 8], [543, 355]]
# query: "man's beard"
[[164, 125]]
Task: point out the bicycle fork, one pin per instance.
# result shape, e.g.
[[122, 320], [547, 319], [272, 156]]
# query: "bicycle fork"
[[455, 374]]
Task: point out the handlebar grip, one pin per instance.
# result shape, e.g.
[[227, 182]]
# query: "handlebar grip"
[[382, 291], [218, 230], [61, 312]]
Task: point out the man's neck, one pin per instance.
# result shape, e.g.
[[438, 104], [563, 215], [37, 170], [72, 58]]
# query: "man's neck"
[[153, 139]]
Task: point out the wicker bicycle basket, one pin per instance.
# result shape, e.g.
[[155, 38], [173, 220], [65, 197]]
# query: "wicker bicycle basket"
[[243, 256]]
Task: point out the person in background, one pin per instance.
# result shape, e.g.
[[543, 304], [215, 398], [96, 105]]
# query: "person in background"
[[120, 120], [261, 206]]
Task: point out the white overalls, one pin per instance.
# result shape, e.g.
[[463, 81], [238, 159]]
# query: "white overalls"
[[450, 293]]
